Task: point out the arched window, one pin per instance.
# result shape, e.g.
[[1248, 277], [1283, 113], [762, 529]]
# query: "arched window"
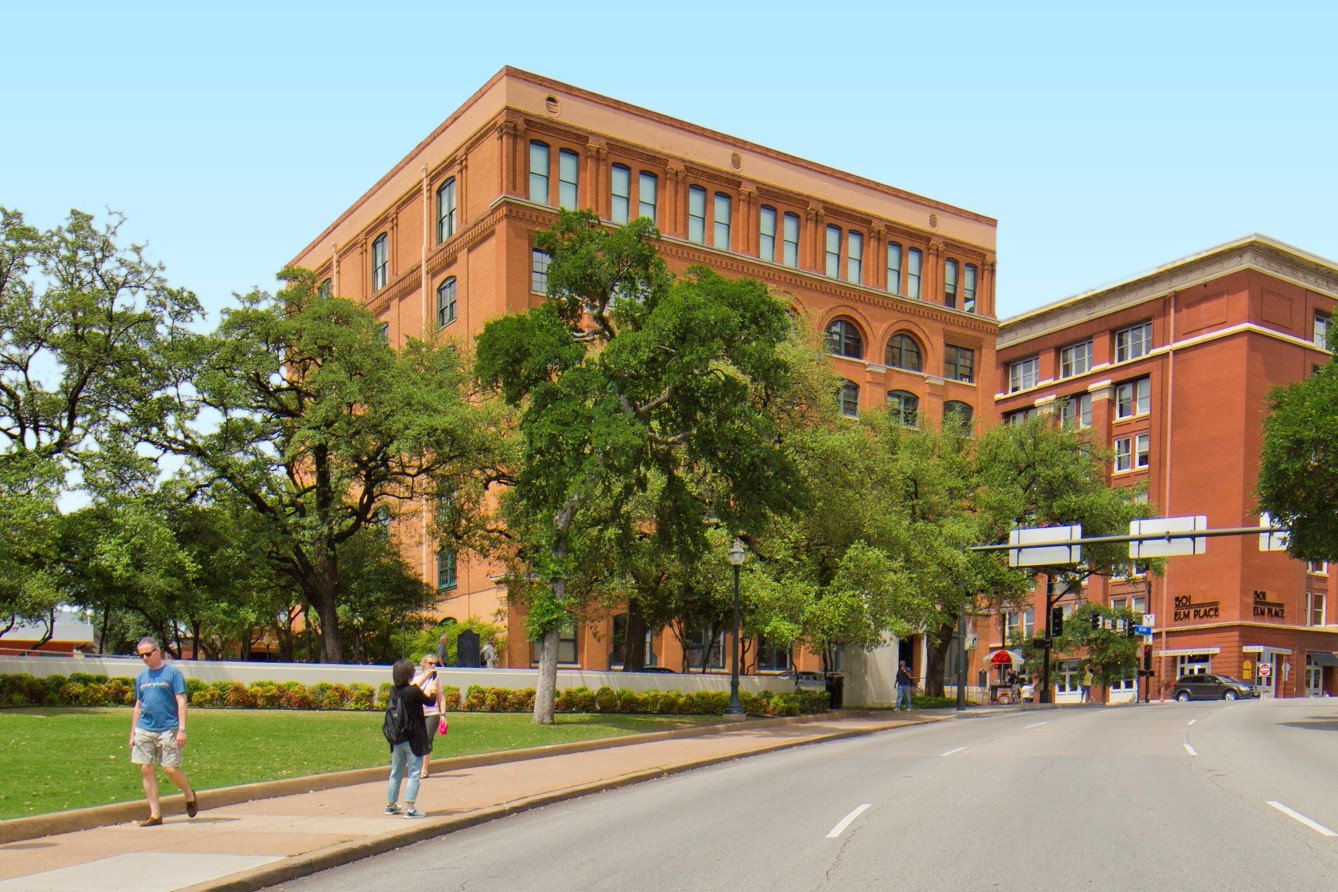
[[446, 303], [957, 416], [848, 395], [446, 210], [844, 339], [904, 408], [903, 352]]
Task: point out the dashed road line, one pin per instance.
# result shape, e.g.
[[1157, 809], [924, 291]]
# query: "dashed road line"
[[1296, 815], [950, 752], [846, 821], [1189, 749], [1036, 724]]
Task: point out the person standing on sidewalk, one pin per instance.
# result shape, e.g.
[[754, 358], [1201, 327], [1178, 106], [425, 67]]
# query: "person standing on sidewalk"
[[158, 728], [406, 756], [434, 713], [1087, 682], [905, 684]]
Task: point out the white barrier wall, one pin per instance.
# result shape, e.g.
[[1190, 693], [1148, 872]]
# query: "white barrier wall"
[[315, 673]]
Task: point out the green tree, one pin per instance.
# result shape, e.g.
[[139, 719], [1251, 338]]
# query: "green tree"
[[324, 432], [1298, 476], [624, 376], [89, 359]]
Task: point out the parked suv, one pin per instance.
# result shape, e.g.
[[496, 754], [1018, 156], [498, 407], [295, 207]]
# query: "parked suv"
[[1212, 687]]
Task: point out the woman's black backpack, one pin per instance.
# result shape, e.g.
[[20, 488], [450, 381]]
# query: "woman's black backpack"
[[397, 725]]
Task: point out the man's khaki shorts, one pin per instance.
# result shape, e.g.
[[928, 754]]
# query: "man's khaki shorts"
[[156, 748]]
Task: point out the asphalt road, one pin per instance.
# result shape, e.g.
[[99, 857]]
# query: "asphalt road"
[[1207, 796]]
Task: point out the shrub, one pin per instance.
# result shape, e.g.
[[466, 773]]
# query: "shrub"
[[363, 696], [476, 699], [606, 700], [239, 696]]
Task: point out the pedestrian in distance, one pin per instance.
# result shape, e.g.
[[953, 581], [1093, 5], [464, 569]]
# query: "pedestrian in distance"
[[1087, 684], [407, 753], [905, 684], [434, 712], [489, 655], [158, 728]]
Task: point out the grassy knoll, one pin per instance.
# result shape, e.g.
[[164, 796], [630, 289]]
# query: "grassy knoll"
[[63, 758]]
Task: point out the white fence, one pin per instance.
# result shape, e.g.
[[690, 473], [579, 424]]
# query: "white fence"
[[315, 673]]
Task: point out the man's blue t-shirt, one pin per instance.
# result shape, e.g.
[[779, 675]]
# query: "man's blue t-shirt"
[[156, 690]]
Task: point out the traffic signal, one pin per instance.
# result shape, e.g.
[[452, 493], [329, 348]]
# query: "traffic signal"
[[1096, 621], [1128, 627], [1057, 621], [1147, 657]]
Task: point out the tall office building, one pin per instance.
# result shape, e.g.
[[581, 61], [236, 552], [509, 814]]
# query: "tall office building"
[[902, 285]]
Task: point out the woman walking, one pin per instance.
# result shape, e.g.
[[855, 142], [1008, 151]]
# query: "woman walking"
[[406, 755]]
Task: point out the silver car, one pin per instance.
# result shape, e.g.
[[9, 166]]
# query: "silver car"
[[1212, 687]]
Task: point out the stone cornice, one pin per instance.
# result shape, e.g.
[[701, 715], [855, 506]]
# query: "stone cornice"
[[1256, 252]]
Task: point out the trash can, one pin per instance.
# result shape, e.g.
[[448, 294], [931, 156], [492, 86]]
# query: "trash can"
[[836, 685]]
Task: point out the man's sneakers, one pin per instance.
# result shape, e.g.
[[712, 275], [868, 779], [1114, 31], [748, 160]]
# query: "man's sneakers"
[[193, 806], [392, 809], [414, 813], [151, 821]]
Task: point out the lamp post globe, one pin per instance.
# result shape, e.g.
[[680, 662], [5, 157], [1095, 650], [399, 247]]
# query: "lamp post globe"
[[738, 553]]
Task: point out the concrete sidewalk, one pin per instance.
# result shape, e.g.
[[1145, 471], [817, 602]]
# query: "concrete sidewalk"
[[255, 836]]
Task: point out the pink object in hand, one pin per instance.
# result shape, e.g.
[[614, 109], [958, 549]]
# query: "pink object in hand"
[[443, 728]]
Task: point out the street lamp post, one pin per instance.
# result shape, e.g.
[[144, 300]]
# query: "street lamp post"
[[737, 555]]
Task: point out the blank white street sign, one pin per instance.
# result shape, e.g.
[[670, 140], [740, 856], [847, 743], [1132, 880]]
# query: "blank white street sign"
[[1044, 546], [1177, 541]]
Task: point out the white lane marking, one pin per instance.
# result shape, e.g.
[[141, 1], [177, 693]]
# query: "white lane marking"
[[845, 822], [1318, 828], [1233, 707], [950, 752], [1036, 724], [1192, 721], [1189, 749]]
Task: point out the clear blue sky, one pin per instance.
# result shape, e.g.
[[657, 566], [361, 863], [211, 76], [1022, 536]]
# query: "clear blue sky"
[[1106, 139]]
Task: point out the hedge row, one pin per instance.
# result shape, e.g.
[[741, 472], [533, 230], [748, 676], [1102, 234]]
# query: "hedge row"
[[81, 689]]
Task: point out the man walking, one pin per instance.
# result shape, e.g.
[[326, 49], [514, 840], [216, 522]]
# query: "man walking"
[[905, 684], [158, 729]]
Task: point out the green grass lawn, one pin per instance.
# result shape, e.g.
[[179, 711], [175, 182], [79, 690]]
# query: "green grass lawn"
[[63, 758]]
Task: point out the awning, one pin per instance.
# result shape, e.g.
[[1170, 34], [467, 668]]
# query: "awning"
[[1004, 658], [1322, 658]]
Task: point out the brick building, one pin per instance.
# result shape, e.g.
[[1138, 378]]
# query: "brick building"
[[1172, 370], [902, 285]]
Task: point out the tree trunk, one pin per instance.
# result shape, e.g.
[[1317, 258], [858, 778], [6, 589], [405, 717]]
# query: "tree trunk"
[[634, 644], [940, 640], [545, 691]]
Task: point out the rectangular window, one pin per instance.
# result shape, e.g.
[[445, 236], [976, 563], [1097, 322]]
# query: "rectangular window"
[[705, 650], [1020, 416], [766, 249], [855, 258], [1023, 374], [959, 363], [1021, 624], [1075, 412], [383, 333], [1075, 359], [1133, 342], [446, 210], [539, 261], [647, 195], [1133, 398], [1124, 459], [620, 188], [894, 267], [569, 173], [1321, 333], [723, 219], [771, 658], [446, 569], [380, 262], [697, 215], [1315, 608], [791, 237], [567, 650], [538, 173], [1142, 450], [446, 303], [913, 262], [950, 283], [969, 289], [833, 252], [1319, 568], [327, 288]]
